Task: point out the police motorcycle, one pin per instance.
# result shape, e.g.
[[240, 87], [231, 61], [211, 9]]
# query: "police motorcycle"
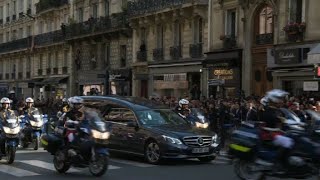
[[9, 132], [197, 118], [255, 156], [88, 148], [32, 128]]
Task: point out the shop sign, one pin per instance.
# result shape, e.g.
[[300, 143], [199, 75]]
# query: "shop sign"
[[226, 74], [288, 56], [114, 76], [311, 86]]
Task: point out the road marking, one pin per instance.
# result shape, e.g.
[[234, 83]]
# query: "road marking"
[[16, 171], [27, 151], [45, 165], [223, 158], [132, 163], [219, 162]]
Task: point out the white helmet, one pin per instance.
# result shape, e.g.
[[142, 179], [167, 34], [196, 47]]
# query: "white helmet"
[[12, 92], [276, 95], [5, 101], [29, 100], [183, 102], [264, 101], [76, 100]]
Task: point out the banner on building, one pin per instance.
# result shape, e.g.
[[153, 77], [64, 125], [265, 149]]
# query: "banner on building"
[[311, 86]]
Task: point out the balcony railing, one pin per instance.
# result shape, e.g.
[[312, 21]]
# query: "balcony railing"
[[7, 75], [16, 45], [45, 5], [49, 38], [196, 50], [229, 42], [142, 56], [64, 70], [175, 52], [48, 70], [158, 54], [55, 70], [28, 75], [39, 72], [141, 7], [20, 75], [263, 39], [96, 26]]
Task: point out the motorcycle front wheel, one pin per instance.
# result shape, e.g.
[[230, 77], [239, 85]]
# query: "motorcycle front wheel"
[[246, 170], [100, 166], [36, 143], [60, 162], [11, 154]]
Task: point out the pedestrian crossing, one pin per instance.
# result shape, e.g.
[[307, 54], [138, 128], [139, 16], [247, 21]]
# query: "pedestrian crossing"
[[23, 167]]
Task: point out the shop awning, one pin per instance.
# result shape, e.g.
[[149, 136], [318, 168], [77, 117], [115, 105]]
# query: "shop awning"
[[314, 55], [53, 80]]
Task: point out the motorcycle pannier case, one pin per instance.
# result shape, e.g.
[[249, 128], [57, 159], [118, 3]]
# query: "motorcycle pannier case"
[[51, 142], [244, 142]]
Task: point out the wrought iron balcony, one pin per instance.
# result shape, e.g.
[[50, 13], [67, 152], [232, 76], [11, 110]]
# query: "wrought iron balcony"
[[16, 45], [55, 70], [28, 75], [97, 26], [141, 7], [44, 5], [14, 17], [229, 42], [48, 70], [142, 56], [195, 50], [263, 39], [158, 54], [49, 38], [7, 75], [40, 72], [64, 70], [20, 75], [8, 19], [175, 52]]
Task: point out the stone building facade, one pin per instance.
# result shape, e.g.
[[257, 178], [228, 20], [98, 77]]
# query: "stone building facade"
[[252, 37]]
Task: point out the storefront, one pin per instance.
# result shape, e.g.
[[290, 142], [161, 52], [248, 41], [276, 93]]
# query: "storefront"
[[176, 80], [90, 83], [51, 87], [224, 73], [120, 82], [140, 81], [290, 68]]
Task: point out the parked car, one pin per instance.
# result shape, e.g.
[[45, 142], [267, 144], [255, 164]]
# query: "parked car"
[[155, 132]]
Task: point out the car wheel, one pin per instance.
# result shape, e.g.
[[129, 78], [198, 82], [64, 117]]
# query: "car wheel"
[[207, 159], [152, 152]]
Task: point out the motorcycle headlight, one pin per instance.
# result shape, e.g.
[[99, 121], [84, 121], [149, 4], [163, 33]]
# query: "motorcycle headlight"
[[36, 124], [8, 130], [100, 135], [200, 125], [171, 140]]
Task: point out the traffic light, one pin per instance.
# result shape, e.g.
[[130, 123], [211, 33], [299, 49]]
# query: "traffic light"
[[317, 71]]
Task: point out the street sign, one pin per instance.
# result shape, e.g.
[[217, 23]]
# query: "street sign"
[[101, 76], [216, 82]]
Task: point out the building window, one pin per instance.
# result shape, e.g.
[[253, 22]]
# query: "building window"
[[50, 62], [80, 15], [143, 36], [65, 19], [65, 61], [56, 60], [8, 37], [296, 11], [49, 26], [28, 64], [14, 7], [264, 25], [21, 33], [28, 31], [21, 5], [160, 36], [41, 27], [8, 10], [106, 7], [95, 10], [14, 35], [177, 33], [20, 65], [1, 12], [1, 38], [40, 61], [231, 23], [123, 55], [198, 30]]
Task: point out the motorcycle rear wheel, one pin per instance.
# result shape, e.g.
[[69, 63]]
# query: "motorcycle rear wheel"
[[244, 170], [100, 166]]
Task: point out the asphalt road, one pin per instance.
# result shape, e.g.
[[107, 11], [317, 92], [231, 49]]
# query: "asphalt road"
[[37, 165]]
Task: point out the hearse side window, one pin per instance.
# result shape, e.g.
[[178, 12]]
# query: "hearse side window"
[[120, 115]]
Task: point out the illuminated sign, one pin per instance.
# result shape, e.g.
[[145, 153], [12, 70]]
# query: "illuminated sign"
[[223, 72]]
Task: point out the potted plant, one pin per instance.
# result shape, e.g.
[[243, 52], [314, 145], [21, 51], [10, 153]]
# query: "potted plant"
[[295, 31]]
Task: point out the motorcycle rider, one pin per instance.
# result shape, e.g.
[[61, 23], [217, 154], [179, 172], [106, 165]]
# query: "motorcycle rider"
[[65, 105], [29, 106], [274, 119], [5, 108], [183, 108]]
